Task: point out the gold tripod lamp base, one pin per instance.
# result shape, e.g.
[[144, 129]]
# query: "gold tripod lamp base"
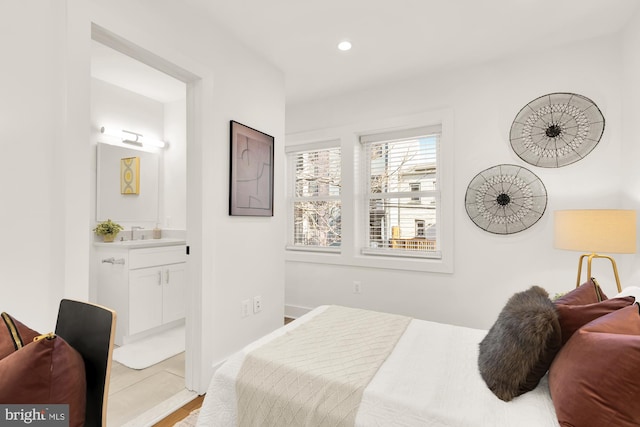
[[591, 257], [610, 231]]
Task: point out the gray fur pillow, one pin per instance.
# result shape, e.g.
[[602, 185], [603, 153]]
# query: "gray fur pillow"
[[520, 346]]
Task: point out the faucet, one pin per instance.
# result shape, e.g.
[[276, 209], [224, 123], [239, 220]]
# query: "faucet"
[[133, 228]]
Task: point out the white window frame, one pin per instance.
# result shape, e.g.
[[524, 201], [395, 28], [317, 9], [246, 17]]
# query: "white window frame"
[[353, 198], [292, 152], [397, 135]]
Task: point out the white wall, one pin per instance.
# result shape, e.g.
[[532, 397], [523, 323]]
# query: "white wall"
[[46, 159], [28, 129], [173, 212], [630, 114], [488, 268], [44, 166]]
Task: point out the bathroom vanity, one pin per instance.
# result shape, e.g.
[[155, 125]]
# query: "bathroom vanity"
[[145, 282]]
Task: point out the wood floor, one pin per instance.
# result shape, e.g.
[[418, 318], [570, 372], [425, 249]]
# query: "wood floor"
[[181, 413]]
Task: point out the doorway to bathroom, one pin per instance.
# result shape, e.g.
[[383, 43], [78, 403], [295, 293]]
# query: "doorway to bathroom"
[[131, 94]]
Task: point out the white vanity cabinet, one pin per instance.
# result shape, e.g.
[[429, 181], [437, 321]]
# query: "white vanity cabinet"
[[156, 296], [145, 285]]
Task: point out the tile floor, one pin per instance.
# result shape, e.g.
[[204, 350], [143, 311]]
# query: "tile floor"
[[134, 392]]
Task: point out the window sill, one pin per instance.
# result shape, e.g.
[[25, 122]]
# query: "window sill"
[[397, 253], [314, 249], [379, 260]]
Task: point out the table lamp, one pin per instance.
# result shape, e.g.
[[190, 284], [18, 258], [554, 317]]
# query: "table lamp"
[[596, 231]]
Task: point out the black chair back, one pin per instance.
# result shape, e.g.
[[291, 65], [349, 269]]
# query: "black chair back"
[[90, 329]]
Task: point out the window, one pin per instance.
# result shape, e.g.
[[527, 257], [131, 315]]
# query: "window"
[[315, 203], [375, 194], [415, 186], [401, 192]]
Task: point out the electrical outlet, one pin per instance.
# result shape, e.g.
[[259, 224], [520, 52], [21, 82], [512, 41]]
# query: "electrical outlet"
[[257, 304], [357, 287], [245, 307]]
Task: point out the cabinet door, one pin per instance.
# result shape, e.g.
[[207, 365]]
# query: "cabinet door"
[[145, 299], [174, 285]]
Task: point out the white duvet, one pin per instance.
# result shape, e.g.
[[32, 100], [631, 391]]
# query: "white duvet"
[[430, 379]]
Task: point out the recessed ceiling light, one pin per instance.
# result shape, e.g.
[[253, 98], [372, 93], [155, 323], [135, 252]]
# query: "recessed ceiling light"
[[344, 45]]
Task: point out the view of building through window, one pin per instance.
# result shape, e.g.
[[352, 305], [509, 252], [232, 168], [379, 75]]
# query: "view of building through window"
[[400, 190], [316, 201], [403, 193]]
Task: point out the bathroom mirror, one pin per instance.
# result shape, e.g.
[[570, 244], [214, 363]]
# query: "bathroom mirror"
[[112, 170]]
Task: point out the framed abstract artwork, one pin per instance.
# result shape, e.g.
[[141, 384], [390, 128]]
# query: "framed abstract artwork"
[[130, 175], [251, 181]]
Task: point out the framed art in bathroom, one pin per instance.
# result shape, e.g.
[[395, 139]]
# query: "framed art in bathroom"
[[251, 172], [130, 175]]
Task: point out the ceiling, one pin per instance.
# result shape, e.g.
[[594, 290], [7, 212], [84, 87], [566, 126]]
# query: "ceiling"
[[400, 39]]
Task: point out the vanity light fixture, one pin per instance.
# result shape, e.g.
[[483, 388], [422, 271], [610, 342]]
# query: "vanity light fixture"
[[133, 138], [344, 45]]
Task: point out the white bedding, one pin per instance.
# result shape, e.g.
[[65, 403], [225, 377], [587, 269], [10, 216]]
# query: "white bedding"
[[430, 379]]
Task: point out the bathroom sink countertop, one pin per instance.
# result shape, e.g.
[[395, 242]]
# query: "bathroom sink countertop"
[[142, 243]]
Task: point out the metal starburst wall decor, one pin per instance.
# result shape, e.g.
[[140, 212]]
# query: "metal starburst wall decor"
[[505, 199], [556, 130]]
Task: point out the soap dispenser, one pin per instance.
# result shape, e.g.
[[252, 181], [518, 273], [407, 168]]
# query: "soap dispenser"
[[157, 233]]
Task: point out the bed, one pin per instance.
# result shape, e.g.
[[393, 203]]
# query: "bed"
[[430, 377]]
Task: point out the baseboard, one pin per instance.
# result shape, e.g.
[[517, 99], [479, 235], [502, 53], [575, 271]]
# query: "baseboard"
[[295, 311]]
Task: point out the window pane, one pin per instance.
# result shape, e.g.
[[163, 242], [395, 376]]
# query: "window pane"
[[315, 202], [406, 222], [401, 223], [317, 173], [317, 223], [399, 166]]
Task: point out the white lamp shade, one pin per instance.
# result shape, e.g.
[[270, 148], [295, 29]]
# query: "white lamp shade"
[[596, 231]]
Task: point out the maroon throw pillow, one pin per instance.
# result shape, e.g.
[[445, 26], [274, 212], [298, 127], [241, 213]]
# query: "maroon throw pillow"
[[594, 380], [13, 335], [587, 293], [573, 317], [47, 371]]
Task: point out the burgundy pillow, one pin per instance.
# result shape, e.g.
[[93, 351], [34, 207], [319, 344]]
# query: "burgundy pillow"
[[587, 293], [13, 335], [573, 317], [594, 380], [47, 371]]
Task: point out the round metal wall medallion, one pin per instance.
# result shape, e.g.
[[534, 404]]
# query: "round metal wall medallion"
[[505, 199], [556, 130]]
